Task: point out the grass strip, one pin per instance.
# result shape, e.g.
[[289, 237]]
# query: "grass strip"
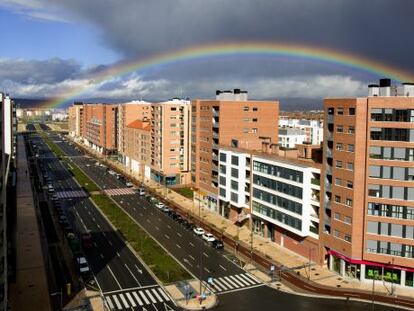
[[158, 260], [185, 192]]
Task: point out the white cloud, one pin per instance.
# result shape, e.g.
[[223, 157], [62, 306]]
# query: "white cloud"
[[36, 9]]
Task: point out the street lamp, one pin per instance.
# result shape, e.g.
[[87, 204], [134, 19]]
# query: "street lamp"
[[61, 297], [309, 264]]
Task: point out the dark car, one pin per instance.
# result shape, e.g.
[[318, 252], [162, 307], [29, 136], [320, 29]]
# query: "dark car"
[[217, 244]]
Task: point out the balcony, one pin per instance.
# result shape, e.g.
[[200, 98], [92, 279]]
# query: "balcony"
[[330, 118], [216, 113], [214, 157], [215, 135], [215, 146], [214, 168], [215, 125], [316, 181], [329, 152]]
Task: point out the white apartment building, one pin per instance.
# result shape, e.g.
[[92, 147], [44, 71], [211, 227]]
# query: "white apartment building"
[[313, 129], [290, 137], [279, 195]]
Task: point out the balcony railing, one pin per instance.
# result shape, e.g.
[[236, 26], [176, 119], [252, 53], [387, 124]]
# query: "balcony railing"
[[316, 181]]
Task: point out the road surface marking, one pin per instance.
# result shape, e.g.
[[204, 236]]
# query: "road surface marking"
[[179, 234], [218, 284], [192, 244], [102, 256], [163, 294], [168, 226], [118, 255], [231, 277], [222, 268], [94, 243], [124, 300], [104, 234], [131, 300], [157, 295], [149, 221], [167, 236], [132, 274], [152, 213], [144, 298], [208, 271], [241, 280], [137, 298], [248, 279], [157, 228], [134, 209], [111, 305], [118, 304], [191, 257], [147, 291], [178, 245], [98, 226], [110, 243], [225, 283], [205, 255], [113, 275]]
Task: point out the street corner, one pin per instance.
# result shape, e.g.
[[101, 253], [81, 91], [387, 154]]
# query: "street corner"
[[190, 295]]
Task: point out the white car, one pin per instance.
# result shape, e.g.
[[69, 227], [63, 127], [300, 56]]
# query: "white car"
[[199, 231], [129, 184], [83, 265], [160, 205], [141, 191], [208, 237], [111, 172]]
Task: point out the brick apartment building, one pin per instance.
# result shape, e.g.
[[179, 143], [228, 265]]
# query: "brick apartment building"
[[99, 127], [170, 151], [367, 225], [75, 120], [229, 120]]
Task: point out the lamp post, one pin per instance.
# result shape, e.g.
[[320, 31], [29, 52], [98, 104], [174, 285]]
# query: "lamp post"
[[61, 298], [310, 257]]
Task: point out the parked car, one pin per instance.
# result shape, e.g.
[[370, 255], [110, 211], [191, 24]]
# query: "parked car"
[[54, 197], [160, 205], [97, 163], [165, 209], [118, 176], [141, 191], [198, 231], [50, 189], [129, 184], [86, 239], [208, 237], [83, 265], [111, 172], [217, 244]]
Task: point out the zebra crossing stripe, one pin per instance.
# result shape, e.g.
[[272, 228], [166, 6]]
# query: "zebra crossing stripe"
[[163, 294], [227, 284], [150, 296], [137, 298], [219, 285], [156, 294], [231, 282], [111, 305], [131, 300], [144, 298], [232, 277], [248, 279], [118, 304], [238, 277], [124, 300]]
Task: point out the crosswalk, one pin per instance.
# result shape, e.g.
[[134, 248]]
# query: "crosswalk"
[[118, 191], [139, 297], [232, 282], [69, 194]]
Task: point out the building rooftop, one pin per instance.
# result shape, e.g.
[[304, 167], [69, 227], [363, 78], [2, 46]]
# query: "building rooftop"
[[140, 125]]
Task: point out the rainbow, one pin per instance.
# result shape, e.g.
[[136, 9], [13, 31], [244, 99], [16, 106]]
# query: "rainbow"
[[306, 52]]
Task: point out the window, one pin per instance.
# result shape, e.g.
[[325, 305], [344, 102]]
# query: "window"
[[348, 220], [348, 202], [223, 157], [336, 233], [338, 164], [234, 160], [222, 192], [245, 130], [223, 181], [246, 119], [337, 216], [337, 199], [347, 238], [350, 184], [254, 130], [339, 146], [351, 111], [351, 130], [245, 108], [255, 108], [350, 166], [234, 172], [340, 111], [339, 129], [234, 185], [338, 181], [254, 119], [233, 197], [351, 148], [173, 108]]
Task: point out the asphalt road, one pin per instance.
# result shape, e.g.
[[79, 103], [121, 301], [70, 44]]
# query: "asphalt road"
[[121, 277], [235, 291]]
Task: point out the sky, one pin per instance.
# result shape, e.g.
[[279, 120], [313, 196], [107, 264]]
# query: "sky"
[[55, 47]]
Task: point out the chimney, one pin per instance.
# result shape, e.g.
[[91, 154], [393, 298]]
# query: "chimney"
[[274, 149], [385, 87], [265, 147]]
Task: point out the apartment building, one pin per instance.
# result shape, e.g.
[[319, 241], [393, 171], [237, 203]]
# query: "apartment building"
[[8, 128], [127, 113], [137, 150], [99, 127], [229, 120], [367, 226], [279, 194], [75, 120], [170, 150], [312, 129], [290, 137]]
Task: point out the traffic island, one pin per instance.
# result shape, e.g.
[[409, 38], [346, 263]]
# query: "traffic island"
[[187, 295]]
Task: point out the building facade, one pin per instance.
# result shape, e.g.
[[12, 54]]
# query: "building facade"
[[367, 227], [229, 120], [279, 195], [312, 129], [75, 120], [290, 137], [170, 139]]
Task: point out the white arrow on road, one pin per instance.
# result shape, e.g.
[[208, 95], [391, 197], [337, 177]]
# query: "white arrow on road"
[[139, 270]]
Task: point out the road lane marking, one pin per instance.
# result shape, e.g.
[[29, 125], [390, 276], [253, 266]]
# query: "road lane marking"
[[156, 294], [192, 244], [231, 282], [113, 275], [109, 301], [126, 266], [240, 279], [167, 236], [191, 257], [124, 300], [222, 268], [235, 280], [225, 283], [102, 256], [163, 294], [137, 298], [179, 234], [168, 226], [144, 298], [178, 245], [248, 279], [148, 221], [118, 304], [208, 271], [205, 255], [131, 300], [134, 209], [98, 226], [118, 255], [110, 243], [157, 228]]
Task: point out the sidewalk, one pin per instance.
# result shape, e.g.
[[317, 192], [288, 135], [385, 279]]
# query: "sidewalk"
[[272, 251], [30, 292]]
